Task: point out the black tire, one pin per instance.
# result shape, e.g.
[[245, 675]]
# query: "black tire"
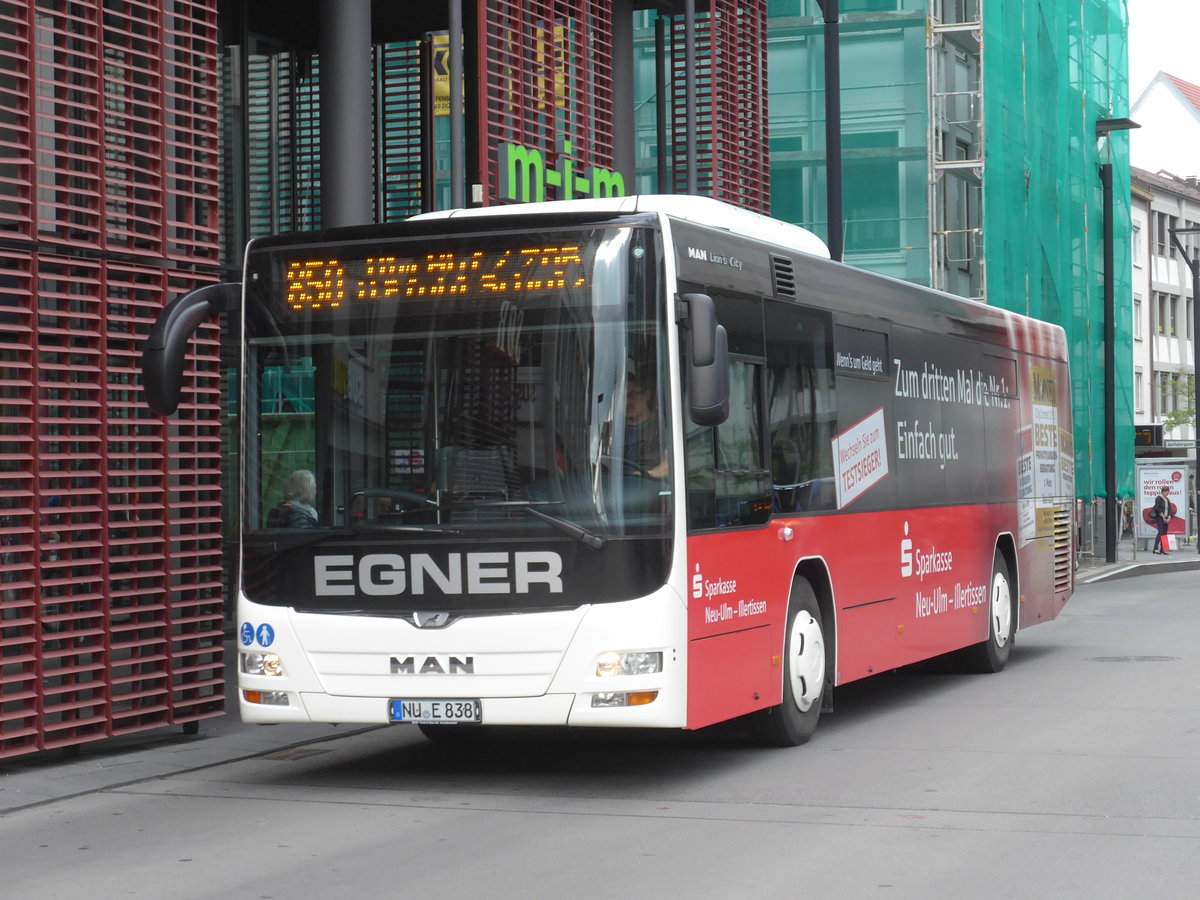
[[805, 675], [992, 654]]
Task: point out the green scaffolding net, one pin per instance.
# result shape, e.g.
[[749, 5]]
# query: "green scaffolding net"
[[1052, 70]]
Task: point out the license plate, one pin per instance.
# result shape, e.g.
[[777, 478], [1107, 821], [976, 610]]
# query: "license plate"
[[436, 712]]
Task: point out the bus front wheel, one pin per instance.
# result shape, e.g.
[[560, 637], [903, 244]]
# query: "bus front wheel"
[[992, 654], [794, 720]]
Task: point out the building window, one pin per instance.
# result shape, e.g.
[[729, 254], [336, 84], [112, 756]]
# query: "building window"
[[1138, 387], [1166, 313], [1137, 318], [1162, 234], [1137, 245], [871, 191]]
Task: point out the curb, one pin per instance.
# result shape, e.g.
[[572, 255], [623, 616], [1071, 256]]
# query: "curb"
[[1129, 570]]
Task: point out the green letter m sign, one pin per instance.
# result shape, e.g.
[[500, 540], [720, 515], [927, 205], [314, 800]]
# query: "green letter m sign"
[[522, 170], [606, 183]]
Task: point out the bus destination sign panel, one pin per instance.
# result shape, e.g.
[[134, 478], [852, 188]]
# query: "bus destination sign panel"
[[328, 282]]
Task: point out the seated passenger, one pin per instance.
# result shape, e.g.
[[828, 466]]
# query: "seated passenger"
[[296, 509]]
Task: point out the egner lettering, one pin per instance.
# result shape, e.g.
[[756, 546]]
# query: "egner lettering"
[[391, 574]]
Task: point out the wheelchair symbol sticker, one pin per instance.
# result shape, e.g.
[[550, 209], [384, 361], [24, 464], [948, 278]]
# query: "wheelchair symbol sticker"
[[247, 634]]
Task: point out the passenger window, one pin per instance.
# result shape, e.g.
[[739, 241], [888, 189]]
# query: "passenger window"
[[801, 407], [728, 482]]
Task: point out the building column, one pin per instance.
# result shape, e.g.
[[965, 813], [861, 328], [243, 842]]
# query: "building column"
[[346, 169]]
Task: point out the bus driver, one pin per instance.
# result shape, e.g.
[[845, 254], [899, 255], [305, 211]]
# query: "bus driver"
[[643, 444]]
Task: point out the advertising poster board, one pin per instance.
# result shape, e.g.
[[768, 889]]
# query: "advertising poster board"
[[1151, 479]]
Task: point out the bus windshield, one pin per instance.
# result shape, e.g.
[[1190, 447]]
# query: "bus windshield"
[[453, 390]]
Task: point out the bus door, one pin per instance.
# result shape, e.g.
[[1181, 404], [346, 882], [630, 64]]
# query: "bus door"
[[734, 619]]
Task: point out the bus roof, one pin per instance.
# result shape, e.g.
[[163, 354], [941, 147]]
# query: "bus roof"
[[700, 210]]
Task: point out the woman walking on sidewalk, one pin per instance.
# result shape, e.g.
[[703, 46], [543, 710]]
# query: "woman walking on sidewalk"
[[1161, 514]]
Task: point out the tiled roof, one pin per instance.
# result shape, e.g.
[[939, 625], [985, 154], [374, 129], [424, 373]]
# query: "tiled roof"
[[1190, 92]]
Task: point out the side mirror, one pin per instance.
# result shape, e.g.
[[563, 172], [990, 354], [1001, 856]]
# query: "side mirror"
[[708, 362], [166, 348]]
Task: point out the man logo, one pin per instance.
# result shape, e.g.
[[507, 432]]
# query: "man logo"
[[431, 619], [451, 665]]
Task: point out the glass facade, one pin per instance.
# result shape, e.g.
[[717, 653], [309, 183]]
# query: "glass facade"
[[885, 124], [950, 176]]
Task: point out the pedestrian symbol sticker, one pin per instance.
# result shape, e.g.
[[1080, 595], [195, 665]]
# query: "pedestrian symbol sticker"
[[265, 635]]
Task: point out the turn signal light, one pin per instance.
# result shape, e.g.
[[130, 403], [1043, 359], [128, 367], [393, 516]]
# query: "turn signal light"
[[266, 698]]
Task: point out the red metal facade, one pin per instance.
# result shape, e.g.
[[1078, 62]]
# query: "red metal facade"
[[545, 71], [731, 104], [110, 541]]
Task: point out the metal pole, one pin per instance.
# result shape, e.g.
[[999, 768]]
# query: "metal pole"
[[1110, 374], [428, 144], [833, 129], [660, 103], [458, 167], [624, 157], [1193, 263], [345, 45], [1195, 382]]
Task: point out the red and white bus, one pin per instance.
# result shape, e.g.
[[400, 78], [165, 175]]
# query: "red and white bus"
[[648, 461]]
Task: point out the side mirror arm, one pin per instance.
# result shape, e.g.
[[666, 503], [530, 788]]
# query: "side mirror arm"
[[165, 350]]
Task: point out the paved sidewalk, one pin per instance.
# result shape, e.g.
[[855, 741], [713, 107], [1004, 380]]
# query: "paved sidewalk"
[[1136, 562], [58, 774]]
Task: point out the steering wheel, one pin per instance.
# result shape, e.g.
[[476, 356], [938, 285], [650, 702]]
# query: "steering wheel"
[[405, 501], [628, 466]]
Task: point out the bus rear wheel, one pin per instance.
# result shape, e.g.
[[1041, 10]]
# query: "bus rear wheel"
[[992, 654], [793, 721]]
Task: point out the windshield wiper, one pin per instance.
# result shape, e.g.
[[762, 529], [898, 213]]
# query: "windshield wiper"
[[302, 537], [588, 538]]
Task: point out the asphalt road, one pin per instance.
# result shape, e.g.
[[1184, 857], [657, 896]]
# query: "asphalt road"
[[1073, 774]]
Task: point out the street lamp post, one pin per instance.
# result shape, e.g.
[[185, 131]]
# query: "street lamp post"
[[1193, 263], [835, 235], [1105, 127]]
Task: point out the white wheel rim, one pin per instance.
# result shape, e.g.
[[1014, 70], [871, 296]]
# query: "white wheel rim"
[[807, 669], [1001, 609]]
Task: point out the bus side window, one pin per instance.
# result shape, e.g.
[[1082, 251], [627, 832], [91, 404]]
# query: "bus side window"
[[728, 484], [801, 407]]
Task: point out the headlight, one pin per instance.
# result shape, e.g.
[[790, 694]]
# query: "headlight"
[[634, 662], [623, 698], [262, 664]]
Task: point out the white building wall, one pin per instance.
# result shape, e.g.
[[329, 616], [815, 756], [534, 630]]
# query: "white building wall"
[[1140, 324], [1169, 136], [1162, 290]]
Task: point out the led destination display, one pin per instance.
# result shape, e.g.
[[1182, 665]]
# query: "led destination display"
[[325, 282]]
